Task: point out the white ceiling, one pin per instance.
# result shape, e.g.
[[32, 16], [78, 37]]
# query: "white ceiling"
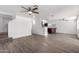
[[59, 11]]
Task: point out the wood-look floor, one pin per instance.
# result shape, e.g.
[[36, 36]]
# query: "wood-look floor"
[[54, 43]]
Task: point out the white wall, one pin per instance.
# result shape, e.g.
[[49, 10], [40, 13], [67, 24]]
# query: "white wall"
[[78, 27], [68, 27], [1, 24], [19, 27], [37, 28], [59, 12], [4, 19], [6, 11]]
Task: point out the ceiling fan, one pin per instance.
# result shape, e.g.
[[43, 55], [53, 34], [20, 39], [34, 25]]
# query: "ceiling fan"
[[30, 10]]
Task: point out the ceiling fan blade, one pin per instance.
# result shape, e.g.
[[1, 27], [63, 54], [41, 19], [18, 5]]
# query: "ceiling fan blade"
[[34, 8], [23, 11], [29, 8], [24, 7], [35, 12]]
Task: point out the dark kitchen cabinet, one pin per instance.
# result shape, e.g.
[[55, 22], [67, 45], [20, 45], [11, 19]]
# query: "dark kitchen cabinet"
[[51, 30]]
